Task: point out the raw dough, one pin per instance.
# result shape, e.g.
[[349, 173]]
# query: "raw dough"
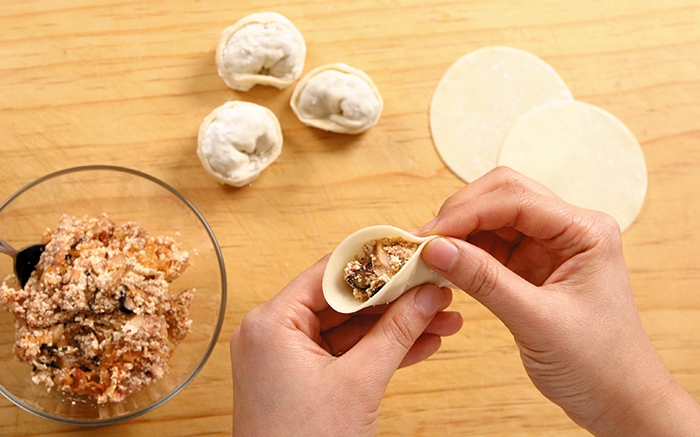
[[479, 100], [263, 48], [584, 154], [237, 141], [337, 98], [414, 271]]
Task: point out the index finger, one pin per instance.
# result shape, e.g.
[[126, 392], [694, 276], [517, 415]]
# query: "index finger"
[[491, 181], [561, 227]]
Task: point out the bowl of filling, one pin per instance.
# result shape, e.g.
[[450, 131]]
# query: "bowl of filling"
[[123, 302]]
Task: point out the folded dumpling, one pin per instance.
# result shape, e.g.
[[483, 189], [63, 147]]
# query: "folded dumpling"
[[374, 266], [237, 141], [264, 48], [337, 98]]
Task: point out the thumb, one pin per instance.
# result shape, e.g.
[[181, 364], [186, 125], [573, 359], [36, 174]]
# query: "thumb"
[[483, 277], [383, 348]]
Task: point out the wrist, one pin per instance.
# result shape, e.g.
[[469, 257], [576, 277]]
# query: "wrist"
[[659, 408]]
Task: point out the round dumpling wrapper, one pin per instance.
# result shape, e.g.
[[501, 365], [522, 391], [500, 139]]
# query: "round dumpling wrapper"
[[479, 100], [583, 154]]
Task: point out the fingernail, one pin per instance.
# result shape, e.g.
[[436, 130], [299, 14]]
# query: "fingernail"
[[429, 300], [430, 225], [440, 254]]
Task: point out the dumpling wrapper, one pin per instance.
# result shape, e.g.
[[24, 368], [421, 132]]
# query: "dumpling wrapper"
[[479, 100], [583, 154], [338, 293], [264, 48], [237, 141], [337, 98]]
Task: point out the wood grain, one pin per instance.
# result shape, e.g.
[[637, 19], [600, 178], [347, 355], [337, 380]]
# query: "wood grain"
[[128, 82]]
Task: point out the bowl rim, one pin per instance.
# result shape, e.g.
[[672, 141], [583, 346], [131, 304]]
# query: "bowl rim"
[[217, 329]]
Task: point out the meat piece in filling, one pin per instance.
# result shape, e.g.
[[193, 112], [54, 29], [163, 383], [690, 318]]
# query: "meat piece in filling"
[[380, 260], [97, 317]]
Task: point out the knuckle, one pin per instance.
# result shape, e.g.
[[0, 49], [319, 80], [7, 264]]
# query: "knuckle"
[[398, 331], [484, 281], [233, 339], [253, 324], [504, 171], [609, 225], [607, 228], [520, 195]]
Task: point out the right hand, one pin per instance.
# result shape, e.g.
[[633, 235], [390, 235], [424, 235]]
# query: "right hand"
[[556, 276]]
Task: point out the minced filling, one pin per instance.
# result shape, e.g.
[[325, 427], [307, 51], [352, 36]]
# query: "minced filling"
[[379, 261], [97, 317]]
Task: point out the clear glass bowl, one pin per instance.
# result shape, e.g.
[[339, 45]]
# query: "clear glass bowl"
[[124, 195]]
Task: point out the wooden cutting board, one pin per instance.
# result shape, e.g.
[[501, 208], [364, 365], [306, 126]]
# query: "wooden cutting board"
[[128, 83]]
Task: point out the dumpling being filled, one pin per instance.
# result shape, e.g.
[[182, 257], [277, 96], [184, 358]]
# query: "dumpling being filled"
[[263, 48], [237, 141], [374, 266], [337, 98], [380, 260]]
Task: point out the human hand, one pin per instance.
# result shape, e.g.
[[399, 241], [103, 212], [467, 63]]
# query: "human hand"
[[301, 368], [555, 275]]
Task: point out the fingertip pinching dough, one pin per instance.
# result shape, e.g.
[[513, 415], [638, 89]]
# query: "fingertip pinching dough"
[[374, 266], [237, 141], [337, 98], [264, 48]]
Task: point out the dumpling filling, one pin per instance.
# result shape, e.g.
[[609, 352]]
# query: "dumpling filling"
[[97, 317], [380, 260]]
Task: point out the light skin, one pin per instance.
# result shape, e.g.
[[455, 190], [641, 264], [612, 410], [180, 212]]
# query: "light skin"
[[554, 274], [299, 367]]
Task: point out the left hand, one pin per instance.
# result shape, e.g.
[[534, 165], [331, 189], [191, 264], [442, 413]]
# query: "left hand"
[[301, 368]]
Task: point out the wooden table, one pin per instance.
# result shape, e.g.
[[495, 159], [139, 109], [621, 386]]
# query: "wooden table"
[[128, 83]]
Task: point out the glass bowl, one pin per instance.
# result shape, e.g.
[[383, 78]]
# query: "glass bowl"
[[124, 195]]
